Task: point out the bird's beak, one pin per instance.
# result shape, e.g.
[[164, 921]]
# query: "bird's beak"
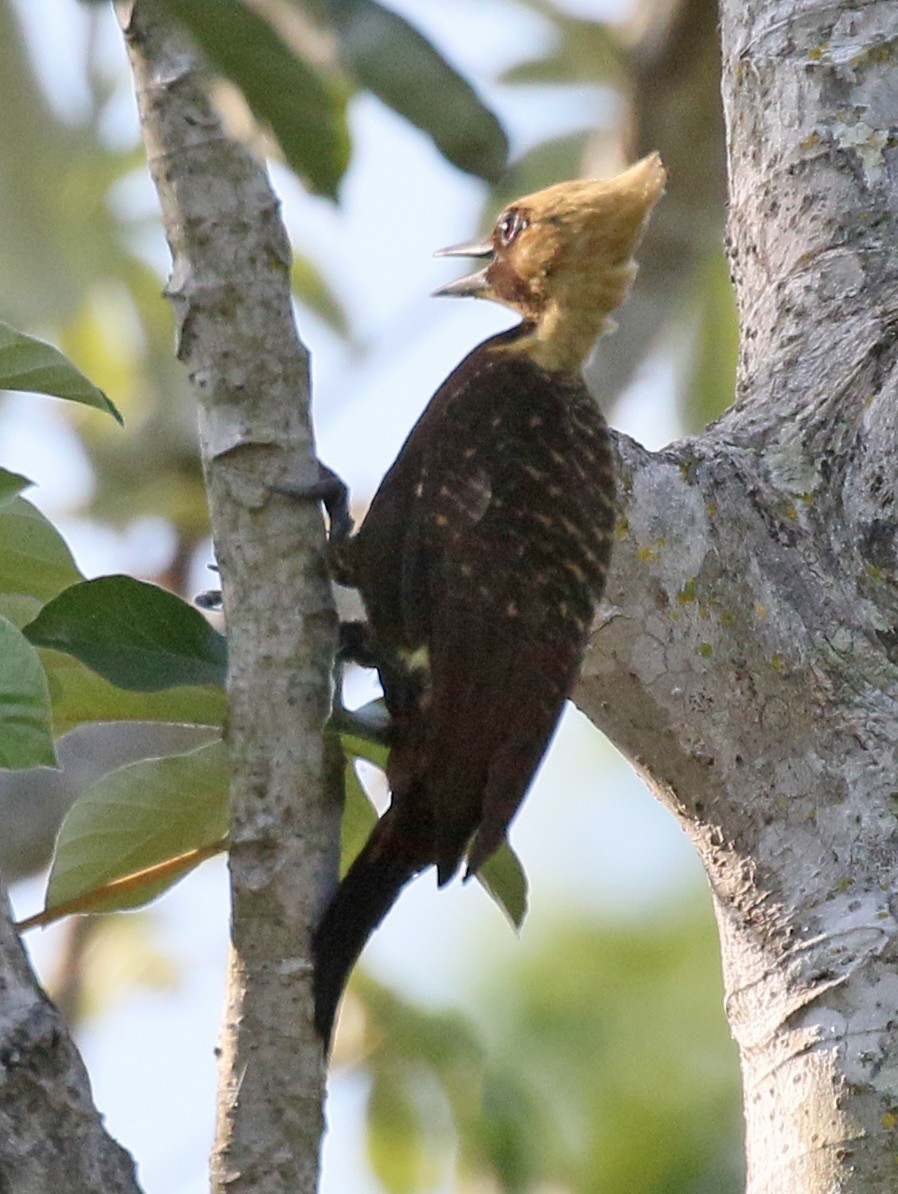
[[468, 287], [471, 248], [473, 284]]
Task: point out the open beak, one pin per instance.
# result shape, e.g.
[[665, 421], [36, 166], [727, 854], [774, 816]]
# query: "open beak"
[[473, 284], [471, 248]]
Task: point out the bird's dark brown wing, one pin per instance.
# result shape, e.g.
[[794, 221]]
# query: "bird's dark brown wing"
[[507, 516]]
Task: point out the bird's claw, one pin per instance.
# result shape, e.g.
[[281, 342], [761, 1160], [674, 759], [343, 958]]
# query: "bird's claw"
[[330, 489], [209, 598]]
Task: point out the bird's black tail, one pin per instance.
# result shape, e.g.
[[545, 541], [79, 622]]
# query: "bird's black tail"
[[366, 894]]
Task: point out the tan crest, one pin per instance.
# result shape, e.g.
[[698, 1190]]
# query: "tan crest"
[[564, 259]]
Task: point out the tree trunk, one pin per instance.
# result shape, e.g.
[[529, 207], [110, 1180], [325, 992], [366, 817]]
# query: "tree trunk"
[[51, 1135], [747, 659], [230, 287]]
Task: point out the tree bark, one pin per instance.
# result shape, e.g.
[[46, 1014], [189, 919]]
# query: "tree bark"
[[51, 1135], [746, 662], [231, 293]]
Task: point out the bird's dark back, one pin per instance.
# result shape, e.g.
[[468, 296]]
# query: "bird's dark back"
[[501, 500], [481, 560]]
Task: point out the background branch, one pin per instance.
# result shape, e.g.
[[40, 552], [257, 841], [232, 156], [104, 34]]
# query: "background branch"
[[673, 60], [51, 1135]]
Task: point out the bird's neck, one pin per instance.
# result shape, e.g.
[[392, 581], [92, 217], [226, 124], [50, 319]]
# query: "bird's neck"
[[560, 340], [562, 323]]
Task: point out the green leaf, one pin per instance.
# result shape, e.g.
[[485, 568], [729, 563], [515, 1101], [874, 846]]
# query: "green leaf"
[[34, 559], [134, 634], [11, 484], [363, 732], [359, 818], [305, 108], [28, 364], [19, 609], [25, 735], [399, 65], [505, 881], [77, 695], [137, 817]]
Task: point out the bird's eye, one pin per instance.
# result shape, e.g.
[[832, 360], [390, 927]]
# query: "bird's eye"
[[510, 225]]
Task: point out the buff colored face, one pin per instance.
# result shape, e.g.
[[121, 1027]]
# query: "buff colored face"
[[563, 258]]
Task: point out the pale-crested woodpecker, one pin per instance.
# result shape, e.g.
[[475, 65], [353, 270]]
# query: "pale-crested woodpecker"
[[485, 551]]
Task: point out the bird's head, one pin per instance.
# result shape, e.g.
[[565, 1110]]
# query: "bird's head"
[[563, 258]]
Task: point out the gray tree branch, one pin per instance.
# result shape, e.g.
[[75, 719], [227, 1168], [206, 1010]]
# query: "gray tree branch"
[[51, 1135], [231, 293], [748, 659]]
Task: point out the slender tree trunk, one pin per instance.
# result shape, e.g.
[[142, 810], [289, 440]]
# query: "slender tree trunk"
[[230, 289], [748, 661]]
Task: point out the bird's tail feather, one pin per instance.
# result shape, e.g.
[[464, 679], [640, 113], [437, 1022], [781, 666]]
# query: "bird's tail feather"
[[366, 894]]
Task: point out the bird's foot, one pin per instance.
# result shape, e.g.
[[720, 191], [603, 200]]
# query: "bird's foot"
[[330, 489], [210, 598]]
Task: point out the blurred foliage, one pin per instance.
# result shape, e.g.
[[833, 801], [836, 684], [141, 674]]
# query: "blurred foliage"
[[29, 364], [304, 105], [584, 51], [396, 63], [600, 1062], [599, 1059], [117, 954], [711, 372], [26, 738]]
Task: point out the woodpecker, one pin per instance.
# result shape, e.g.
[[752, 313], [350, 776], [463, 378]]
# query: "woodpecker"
[[485, 551]]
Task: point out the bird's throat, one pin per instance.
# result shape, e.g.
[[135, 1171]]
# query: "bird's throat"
[[561, 340]]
